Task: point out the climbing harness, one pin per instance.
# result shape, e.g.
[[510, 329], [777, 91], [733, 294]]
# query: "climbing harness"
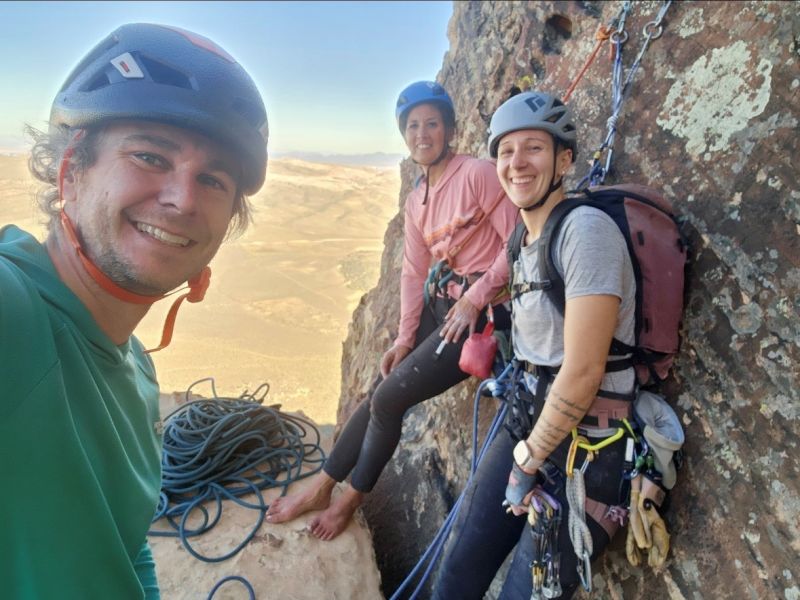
[[620, 89], [441, 273], [608, 517], [495, 388], [224, 448]]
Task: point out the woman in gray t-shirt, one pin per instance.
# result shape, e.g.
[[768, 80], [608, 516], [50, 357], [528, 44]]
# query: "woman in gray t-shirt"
[[564, 356]]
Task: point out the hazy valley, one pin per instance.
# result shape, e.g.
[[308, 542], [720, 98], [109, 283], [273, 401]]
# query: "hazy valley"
[[281, 294]]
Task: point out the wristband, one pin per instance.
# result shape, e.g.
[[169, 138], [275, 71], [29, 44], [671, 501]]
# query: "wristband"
[[519, 484]]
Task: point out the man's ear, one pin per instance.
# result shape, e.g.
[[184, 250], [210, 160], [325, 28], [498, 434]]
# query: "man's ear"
[[67, 181], [68, 174]]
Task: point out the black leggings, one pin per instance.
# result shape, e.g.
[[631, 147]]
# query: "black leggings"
[[373, 431], [484, 534]]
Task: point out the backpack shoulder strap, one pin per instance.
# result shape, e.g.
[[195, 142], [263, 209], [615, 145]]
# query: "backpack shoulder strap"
[[515, 247], [547, 267]]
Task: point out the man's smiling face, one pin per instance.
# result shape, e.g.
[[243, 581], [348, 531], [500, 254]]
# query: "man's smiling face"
[[155, 206]]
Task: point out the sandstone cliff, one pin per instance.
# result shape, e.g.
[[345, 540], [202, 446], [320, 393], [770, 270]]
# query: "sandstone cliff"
[[712, 120]]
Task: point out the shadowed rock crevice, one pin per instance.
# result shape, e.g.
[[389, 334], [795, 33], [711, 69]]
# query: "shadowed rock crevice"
[[557, 29]]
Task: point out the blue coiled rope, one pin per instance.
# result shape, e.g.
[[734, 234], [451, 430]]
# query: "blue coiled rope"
[[434, 550], [241, 580], [223, 448]]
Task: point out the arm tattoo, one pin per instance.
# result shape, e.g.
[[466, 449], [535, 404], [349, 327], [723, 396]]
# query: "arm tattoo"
[[538, 443], [550, 438], [565, 401], [567, 413], [547, 422]]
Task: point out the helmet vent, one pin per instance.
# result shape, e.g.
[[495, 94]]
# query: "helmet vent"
[[98, 82], [165, 75], [253, 114]]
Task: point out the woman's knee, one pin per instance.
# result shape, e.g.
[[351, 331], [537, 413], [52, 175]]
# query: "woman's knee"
[[386, 405]]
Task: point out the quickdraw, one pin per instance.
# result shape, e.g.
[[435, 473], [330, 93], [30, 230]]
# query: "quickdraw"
[[620, 89], [575, 490], [544, 518]]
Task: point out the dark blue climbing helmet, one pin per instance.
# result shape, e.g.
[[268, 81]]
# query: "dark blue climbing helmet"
[[424, 92], [166, 74]]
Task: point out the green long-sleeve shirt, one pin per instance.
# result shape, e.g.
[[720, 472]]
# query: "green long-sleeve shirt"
[[79, 451]]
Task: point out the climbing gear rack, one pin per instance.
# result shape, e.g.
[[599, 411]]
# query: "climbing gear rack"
[[621, 85]]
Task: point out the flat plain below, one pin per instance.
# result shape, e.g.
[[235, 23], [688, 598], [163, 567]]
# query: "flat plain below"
[[281, 295]]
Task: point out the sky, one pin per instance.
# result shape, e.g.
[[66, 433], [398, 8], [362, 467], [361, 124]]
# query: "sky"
[[329, 72]]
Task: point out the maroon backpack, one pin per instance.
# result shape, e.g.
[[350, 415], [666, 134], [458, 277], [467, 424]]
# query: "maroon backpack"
[[658, 252]]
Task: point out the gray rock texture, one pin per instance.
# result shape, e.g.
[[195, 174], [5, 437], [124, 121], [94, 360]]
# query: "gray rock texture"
[[712, 119]]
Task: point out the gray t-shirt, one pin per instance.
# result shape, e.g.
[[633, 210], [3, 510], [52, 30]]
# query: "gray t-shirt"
[[591, 256]]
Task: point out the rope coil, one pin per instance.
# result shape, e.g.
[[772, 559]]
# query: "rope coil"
[[224, 448]]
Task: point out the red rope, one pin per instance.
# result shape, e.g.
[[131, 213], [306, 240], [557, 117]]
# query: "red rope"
[[603, 33]]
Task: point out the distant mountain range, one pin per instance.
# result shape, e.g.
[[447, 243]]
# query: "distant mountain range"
[[376, 159]]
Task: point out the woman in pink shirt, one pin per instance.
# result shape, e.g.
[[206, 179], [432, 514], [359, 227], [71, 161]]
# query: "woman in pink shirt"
[[457, 216]]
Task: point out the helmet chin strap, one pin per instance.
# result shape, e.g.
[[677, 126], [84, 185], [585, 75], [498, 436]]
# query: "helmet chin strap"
[[554, 185], [197, 285], [442, 155]]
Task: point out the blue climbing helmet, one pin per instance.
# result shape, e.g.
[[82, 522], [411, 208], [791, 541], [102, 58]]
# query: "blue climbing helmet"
[[170, 75], [533, 110], [424, 92]]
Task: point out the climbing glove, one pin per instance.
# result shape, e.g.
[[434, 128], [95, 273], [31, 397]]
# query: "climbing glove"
[[646, 528], [519, 485]]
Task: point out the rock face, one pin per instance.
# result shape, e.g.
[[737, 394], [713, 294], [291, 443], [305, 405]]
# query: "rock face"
[[711, 118]]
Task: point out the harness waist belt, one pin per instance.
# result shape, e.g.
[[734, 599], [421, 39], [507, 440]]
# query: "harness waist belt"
[[606, 407], [464, 282], [602, 516], [540, 371], [605, 410]]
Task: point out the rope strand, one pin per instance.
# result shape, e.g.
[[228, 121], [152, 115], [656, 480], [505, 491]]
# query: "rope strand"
[[224, 448], [620, 88]]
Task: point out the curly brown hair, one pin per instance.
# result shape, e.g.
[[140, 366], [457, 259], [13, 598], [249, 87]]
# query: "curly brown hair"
[[45, 159]]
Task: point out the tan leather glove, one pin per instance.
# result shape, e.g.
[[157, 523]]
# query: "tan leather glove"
[[631, 549], [637, 522], [658, 531]]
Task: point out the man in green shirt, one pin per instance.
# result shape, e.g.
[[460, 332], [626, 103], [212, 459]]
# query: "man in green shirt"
[[155, 141]]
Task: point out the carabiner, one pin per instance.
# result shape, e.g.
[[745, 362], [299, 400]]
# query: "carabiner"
[[577, 440], [599, 445], [585, 572]]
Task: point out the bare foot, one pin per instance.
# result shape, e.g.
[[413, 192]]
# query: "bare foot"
[[336, 517], [315, 497]]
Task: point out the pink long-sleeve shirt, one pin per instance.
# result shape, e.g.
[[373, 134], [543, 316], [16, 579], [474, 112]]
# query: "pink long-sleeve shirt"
[[467, 189]]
